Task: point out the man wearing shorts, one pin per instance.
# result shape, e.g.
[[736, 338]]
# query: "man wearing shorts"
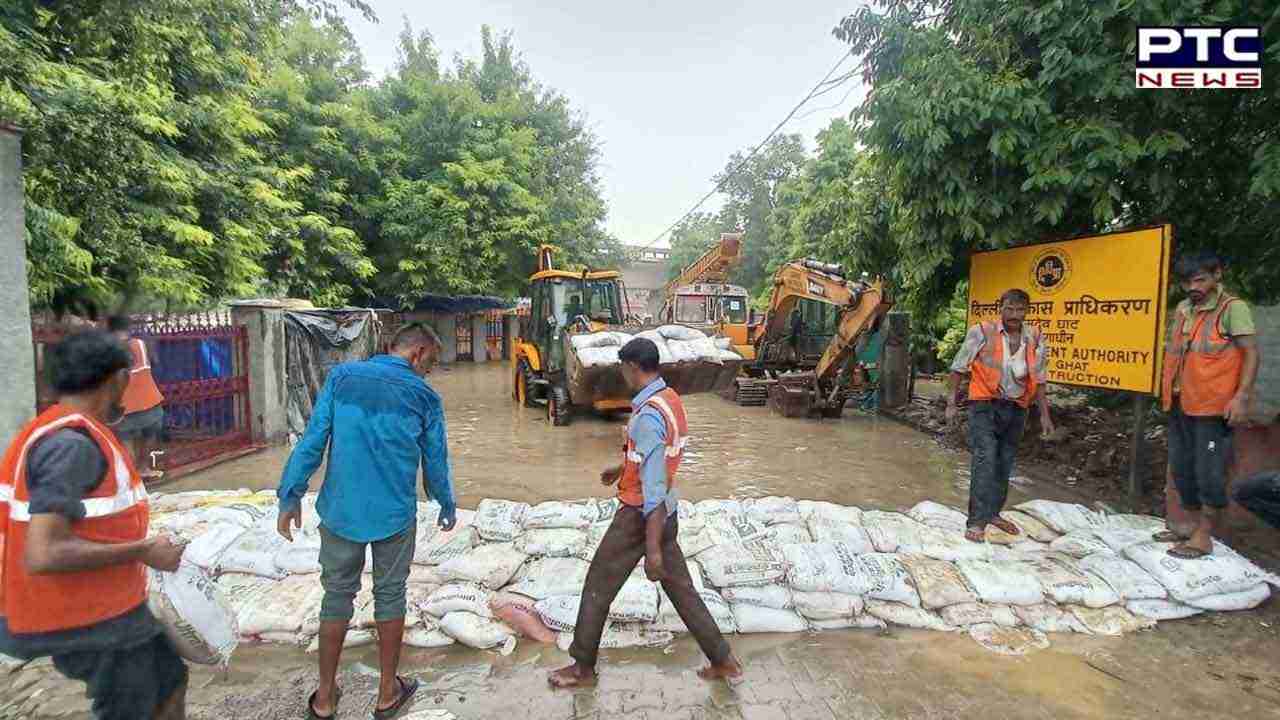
[[380, 419], [73, 526], [143, 423]]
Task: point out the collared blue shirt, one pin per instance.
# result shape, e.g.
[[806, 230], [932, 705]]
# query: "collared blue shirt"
[[648, 431], [379, 421]]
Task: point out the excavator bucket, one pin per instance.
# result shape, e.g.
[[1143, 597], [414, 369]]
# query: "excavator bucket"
[[792, 395]]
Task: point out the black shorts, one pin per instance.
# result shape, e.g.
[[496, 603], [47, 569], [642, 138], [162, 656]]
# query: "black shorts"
[[127, 683], [145, 425]]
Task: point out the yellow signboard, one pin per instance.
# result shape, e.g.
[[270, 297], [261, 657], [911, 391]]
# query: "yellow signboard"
[[1099, 300]]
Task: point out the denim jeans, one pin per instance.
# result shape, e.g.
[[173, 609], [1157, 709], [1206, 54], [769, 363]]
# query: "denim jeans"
[[995, 428]]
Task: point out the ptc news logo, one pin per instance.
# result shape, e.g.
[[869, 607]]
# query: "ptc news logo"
[[1206, 58]]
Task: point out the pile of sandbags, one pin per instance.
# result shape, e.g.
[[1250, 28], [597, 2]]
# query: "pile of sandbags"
[[771, 564], [675, 343]]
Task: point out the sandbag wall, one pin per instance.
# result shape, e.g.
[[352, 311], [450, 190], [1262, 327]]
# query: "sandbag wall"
[[761, 565]]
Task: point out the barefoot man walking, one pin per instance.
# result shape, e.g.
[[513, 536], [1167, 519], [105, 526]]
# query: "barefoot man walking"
[[645, 526]]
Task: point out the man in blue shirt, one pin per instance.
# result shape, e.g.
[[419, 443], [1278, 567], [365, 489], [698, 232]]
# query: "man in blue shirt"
[[378, 418]]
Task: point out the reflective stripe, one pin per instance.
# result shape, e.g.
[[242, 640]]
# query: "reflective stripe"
[[635, 457], [677, 448], [676, 441], [142, 350], [20, 511]]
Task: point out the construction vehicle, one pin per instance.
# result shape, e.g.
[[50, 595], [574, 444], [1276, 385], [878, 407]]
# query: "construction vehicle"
[[701, 296], [546, 369], [806, 354]]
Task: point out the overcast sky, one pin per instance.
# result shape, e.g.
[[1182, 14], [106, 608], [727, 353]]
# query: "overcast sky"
[[671, 89]]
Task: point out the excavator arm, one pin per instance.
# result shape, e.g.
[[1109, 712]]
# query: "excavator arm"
[[803, 280], [861, 315]]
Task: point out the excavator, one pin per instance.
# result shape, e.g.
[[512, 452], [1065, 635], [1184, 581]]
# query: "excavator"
[[546, 369], [701, 297], [806, 359]]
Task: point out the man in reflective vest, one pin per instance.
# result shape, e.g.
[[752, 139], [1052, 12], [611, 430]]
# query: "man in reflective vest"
[[1210, 364], [73, 533], [645, 526], [1005, 361], [143, 421]]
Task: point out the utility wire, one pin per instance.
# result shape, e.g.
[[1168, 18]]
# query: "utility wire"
[[818, 89]]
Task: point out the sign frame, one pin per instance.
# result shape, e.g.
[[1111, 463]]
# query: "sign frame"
[[1167, 252]]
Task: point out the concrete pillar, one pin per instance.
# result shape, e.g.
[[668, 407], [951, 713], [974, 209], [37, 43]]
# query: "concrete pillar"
[[17, 355], [480, 337], [268, 380], [447, 329], [510, 328], [895, 368]]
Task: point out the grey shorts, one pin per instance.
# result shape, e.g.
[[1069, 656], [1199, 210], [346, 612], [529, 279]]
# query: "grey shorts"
[[342, 563], [148, 425]]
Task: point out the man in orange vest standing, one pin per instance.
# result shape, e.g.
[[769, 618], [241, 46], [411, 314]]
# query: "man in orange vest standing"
[[645, 526], [143, 421], [1210, 363], [1006, 363], [73, 533]]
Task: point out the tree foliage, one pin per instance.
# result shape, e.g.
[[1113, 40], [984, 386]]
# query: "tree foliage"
[[190, 150]]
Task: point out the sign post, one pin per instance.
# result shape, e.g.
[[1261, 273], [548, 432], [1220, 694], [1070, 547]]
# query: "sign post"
[[1099, 300]]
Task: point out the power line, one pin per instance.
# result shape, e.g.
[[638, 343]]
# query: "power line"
[[817, 90]]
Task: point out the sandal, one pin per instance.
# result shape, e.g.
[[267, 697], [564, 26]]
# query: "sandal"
[[407, 691], [1006, 526], [1186, 552], [311, 706], [975, 534], [1170, 536]]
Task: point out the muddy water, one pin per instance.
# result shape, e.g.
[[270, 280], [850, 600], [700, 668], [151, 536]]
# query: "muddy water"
[[1226, 666]]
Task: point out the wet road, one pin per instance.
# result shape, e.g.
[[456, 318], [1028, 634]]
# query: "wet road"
[[1227, 665]]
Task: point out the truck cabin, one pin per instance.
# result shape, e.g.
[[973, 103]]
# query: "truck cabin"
[[706, 307]]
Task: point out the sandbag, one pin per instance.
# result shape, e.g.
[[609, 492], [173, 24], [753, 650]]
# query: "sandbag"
[[616, 637], [937, 515], [749, 563], [824, 529], [810, 509], [680, 332], [427, 638], [1223, 573], [1030, 527], [500, 520], [434, 546], [833, 567], [1231, 602], [1111, 621], [1062, 517], [858, 622], [714, 506], [1066, 584], [723, 343], [889, 530], [205, 549], [1148, 524], [196, 618], [637, 601], [548, 577], [518, 613], [907, 616], [560, 543], [664, 352], [553, 515], [1049, 618], [245, 515], [939, 583], [253, 553], [475, 631], [788, 534], [700, 350], [458, 597], [354, 639], [298, 558], [759, 619], [1161, 610], [489, 565], [778, 597], [967, 614], [272, 607], [1007, 640], [1002, 583], [948, 545], [722, 528], [1079, 544], [559, 613], [594, 340], [1118, 539], [827, 606], [669, 619], [1124, 576], [773, 510]]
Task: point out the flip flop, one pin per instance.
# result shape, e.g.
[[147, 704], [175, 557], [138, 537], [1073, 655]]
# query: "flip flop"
[[407, 691], [1006, 526], [311, 706], [975, 534], [1186, 552], [1169, 536]]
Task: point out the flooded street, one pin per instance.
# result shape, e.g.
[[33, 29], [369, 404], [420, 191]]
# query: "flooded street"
[[1225, 665]]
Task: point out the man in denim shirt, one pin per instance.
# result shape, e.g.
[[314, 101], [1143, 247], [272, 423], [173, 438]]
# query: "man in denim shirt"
[[378, 418]]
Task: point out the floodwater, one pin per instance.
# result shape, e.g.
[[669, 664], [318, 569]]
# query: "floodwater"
[[1220, 666]]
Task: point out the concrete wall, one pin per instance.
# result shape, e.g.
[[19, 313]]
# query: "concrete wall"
[[1266, 400], [268, 381], [447, 328], [17, 361], [479, 337]]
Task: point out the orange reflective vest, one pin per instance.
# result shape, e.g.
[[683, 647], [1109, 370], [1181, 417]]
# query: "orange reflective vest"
[[142, 393], [116, 511], [1209, 363], [671, 408], [984, 371]]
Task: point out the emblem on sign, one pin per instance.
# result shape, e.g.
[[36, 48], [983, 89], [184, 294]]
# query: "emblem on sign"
[[1050, 270]]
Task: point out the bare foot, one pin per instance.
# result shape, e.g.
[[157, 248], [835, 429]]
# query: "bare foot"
[[1006, 526], [730, 670], [574, 675]]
